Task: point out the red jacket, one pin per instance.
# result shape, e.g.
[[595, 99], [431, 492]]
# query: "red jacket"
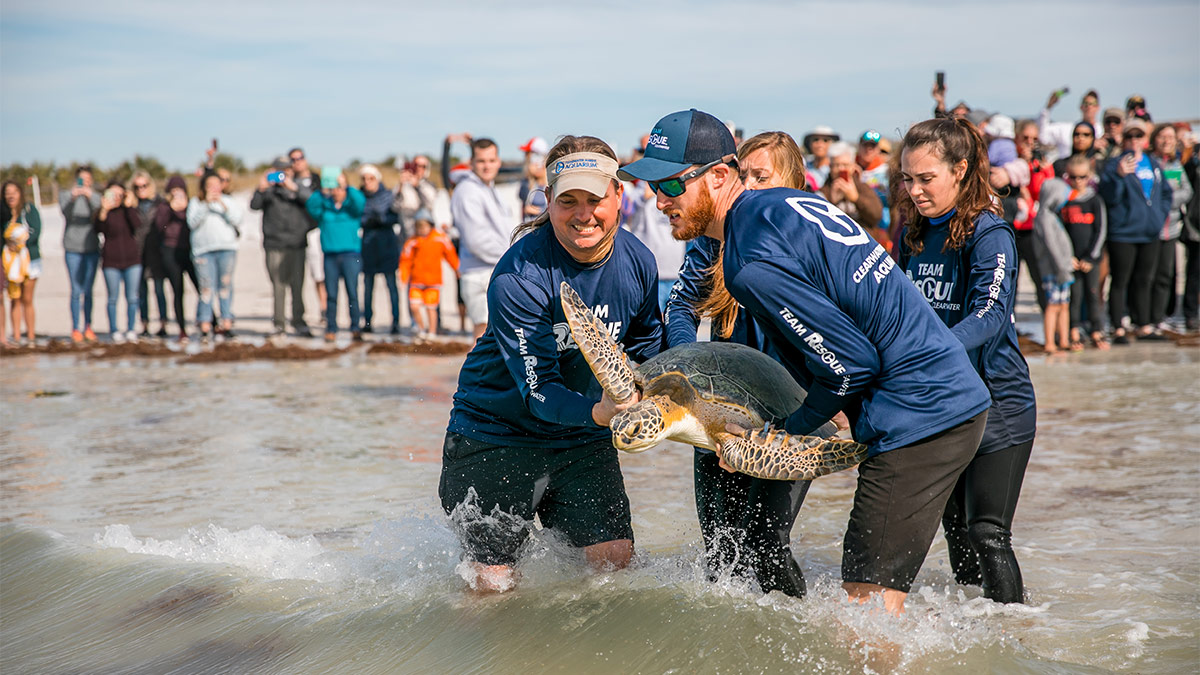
[[1038, 173]]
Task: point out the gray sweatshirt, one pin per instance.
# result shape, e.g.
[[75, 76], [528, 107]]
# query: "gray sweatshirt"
[[79, 236]]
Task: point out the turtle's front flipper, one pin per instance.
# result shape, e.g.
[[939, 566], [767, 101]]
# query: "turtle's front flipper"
[[776, 455], [603, 354]]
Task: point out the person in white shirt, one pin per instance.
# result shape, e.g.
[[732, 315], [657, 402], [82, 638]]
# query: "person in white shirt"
[[485, 224], [1058, 134]]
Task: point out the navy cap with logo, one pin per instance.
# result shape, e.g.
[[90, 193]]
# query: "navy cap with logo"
[[679, 141]]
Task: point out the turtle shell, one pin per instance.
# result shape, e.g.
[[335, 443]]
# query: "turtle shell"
[[732, 373]]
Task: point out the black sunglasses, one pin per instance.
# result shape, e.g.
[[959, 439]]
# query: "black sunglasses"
[[1134, 134], [1077, 134], [673, 187]]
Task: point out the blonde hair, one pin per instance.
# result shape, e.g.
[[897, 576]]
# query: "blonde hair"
[[788, 161]]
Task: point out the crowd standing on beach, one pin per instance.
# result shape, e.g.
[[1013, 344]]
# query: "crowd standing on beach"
[[793, 252]]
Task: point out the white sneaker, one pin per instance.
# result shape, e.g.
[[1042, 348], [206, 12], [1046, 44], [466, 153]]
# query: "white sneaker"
[[131, 336], [118, 338]]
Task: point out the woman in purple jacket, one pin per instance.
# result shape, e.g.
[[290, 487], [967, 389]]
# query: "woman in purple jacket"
[[120, 256]]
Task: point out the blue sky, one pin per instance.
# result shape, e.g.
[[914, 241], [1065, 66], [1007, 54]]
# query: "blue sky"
[[366, 79]]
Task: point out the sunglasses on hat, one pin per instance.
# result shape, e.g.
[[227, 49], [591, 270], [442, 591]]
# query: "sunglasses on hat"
[[673, 187]]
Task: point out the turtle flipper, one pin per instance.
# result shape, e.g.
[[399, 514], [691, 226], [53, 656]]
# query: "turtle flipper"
[[603, 354], [776, 455]]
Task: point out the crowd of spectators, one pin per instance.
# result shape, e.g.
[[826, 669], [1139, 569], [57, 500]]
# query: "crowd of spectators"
[[1101, 205]]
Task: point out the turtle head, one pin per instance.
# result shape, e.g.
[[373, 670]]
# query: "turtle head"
[[639, 427]]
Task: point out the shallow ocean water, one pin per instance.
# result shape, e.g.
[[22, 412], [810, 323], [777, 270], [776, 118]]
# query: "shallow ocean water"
[[283, 518]]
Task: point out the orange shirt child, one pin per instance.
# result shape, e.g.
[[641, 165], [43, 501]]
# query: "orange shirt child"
[[421, 261]]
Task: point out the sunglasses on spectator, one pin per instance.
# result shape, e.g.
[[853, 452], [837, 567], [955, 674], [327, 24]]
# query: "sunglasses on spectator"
[[296, 158], [140, 186], [1077, 134], [1112, 120], [673, 187], [1134, 134]]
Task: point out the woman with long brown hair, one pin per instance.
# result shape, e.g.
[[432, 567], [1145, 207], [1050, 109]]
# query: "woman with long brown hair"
[[22, 217], [963, 258], [528, 432], [745, 522]]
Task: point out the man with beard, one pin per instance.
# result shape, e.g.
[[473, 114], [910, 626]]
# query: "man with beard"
[[857, 336]]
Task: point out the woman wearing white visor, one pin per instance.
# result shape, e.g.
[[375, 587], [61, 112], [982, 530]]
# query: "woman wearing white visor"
[[528, 432]]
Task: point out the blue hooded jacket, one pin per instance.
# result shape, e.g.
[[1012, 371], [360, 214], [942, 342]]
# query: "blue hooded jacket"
[[1132, 217]]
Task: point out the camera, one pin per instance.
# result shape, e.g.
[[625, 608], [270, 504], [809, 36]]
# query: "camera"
[[275, 177]]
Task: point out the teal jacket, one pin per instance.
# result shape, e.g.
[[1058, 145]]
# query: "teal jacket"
[[339, 226]]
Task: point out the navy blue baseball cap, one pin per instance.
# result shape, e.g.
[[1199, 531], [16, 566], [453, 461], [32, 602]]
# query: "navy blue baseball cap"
[[679, 141]]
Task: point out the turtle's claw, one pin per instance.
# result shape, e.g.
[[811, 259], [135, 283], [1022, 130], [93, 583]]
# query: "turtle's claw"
[[766, 453]]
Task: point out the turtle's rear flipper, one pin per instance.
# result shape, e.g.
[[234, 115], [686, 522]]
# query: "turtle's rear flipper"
[[603, 354], [777, 455]]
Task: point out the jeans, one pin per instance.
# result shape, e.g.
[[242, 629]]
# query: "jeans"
[[214, 271], [81, 268], [369, 297], [285, 267], [132, 278], [346, 266]]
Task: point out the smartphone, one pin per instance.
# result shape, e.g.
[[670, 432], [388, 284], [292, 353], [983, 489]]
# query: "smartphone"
[[214, 145], [1064, 91], [410, 167], [275, 177], [844, 175], [79, 181], [940, 79]]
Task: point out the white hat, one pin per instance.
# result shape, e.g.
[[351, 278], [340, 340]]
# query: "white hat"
[[582, 171], [1000, 126]]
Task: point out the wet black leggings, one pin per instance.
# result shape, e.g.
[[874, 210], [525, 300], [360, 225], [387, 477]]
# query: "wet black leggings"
[[747, 523], [978, 523]]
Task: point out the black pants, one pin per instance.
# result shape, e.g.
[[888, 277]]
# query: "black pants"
[[1162, 290], [1132, 269], [1026, 255], [1085, 292], [747, 523], [1191, 281], [978, 523], [158, 276], [176, 262]]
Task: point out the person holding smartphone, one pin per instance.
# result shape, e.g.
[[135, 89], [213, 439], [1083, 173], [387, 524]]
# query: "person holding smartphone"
[[285, 226], [81, 246], [170, 222], [213, 218], [121, 257], [846, 190], [1139, 202]]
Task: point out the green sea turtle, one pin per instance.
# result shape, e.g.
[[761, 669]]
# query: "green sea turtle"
[[690, 392]]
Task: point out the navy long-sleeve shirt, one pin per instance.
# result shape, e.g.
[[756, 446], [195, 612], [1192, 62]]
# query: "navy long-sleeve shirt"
[[858, 333], [526, 381], [973, 291]]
